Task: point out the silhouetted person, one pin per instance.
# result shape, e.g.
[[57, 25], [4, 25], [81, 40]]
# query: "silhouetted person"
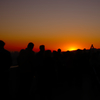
[[46, 76], [50, 74], [60, 65], [55, 63], [5, 63], [40, 59], [40, 55], [27, 69], [5, 58], [59, 50], [42, 48]]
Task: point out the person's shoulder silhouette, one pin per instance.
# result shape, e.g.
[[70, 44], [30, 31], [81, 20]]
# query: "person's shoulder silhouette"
[[26, 69], [40, 55], [5, 57], [42, 49], [26, 57]]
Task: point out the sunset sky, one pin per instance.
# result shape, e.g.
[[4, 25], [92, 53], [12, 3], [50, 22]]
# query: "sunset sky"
[[65, 24]]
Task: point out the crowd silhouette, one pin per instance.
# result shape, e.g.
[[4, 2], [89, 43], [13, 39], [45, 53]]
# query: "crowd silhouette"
[[38, 75]]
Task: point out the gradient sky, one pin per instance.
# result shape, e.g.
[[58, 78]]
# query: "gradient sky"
[[65, 24]]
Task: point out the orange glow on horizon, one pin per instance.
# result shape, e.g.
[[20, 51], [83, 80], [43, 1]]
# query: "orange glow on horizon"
[[73, 46], [72, 49], [12, 48], [69, 46]]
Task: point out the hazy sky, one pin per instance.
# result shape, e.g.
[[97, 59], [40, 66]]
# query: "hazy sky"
[[64, 24]]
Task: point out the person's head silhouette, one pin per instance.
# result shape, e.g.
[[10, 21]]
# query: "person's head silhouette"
[[42, 48], [1, 44], [30, 46], [59, 50]]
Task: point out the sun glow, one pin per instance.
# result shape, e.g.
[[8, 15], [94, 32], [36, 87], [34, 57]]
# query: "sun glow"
[[72, 49]]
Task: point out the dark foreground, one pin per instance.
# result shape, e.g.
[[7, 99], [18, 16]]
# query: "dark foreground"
[[85, 88]]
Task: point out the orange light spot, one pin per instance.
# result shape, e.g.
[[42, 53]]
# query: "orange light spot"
[[72, 49]]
